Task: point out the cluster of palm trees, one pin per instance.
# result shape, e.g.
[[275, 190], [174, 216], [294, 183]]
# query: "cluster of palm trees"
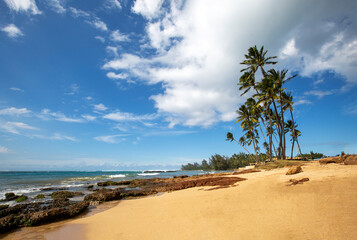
[[267, 106]]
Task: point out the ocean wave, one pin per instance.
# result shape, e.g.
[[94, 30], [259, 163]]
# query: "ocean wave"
[[148, 174], [116, 176]]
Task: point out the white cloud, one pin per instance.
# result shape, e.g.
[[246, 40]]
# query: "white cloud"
[[14, 111], [117, 36], [15, 127], [99, 24], [58, 116], [102, 39], [57, 6], [89, 117], [302, 101], [199, 47], [56, 136], [12, 31], [111, 138], [125, 116], [16, 89], [100, 107], [289, 49], [23, 6], [112, 50], [318, 81], [79, 13], [112, 4], [116, 76], [147, 8], [318, 93], [4, 150]]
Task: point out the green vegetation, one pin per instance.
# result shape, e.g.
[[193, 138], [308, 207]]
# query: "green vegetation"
[[219, 162], [312, 155], [278, 164], [21, 198], [40, 196], [267, 107]]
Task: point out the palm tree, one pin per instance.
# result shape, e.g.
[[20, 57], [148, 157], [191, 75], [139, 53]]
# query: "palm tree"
[[287, 99], [291, 126], [241, 141], [256, 59]]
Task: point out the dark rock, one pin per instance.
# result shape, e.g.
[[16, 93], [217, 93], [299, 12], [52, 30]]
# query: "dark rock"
[[89, 186], [3, 207], [331, 160], [65, 194], [182, 176], [294, 170], [7, 223], [10, 196], [103, 195], [112, 183], [54, 189]]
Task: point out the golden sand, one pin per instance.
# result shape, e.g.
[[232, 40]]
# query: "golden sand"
[[263, 207]]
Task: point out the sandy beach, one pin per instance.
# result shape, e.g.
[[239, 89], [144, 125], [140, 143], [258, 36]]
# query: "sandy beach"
[[265, 206]]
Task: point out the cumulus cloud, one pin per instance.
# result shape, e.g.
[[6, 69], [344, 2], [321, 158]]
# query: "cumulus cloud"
[[147, 8], [12, 31], [200, 43], [23, 6], [14, 111], [102, 39], [78, 13]]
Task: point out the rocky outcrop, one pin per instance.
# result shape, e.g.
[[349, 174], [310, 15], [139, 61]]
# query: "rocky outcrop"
[[331, 160], [112, 183], [350, 160], [38, 213], [65, 194], [294, 170], [103, 195]]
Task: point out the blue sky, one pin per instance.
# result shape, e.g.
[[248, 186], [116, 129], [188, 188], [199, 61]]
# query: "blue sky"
[[152, 84]]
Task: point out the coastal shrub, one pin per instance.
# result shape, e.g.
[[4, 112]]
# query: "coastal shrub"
[[21, 198], [39, 196]]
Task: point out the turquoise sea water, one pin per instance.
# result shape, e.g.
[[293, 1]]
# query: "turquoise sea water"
[[34, 182]]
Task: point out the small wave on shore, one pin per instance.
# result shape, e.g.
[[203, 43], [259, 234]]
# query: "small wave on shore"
[[148, 174]]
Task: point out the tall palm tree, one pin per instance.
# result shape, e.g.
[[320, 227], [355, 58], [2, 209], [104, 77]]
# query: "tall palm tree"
[[287, 99], [291, 126], [241, 141], [256, 59]]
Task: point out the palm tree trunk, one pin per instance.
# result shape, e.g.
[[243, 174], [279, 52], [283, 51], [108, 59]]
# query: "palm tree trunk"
[[292, 119], [242, 146], [298, 146], [292, 149], [255, 150], [282, 125], [280, 130]]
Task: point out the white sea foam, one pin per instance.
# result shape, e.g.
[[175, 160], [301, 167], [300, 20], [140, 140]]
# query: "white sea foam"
[[148, 174], [116, 176]]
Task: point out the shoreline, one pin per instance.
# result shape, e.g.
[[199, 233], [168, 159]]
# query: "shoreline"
[[265, 206]]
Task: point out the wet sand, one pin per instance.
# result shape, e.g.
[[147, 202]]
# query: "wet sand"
[[263, 207]]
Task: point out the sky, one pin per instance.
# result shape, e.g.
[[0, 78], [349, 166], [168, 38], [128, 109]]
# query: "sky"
[[152, 84]]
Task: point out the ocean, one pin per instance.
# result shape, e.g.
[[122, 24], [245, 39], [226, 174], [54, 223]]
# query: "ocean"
[[31, 183]]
